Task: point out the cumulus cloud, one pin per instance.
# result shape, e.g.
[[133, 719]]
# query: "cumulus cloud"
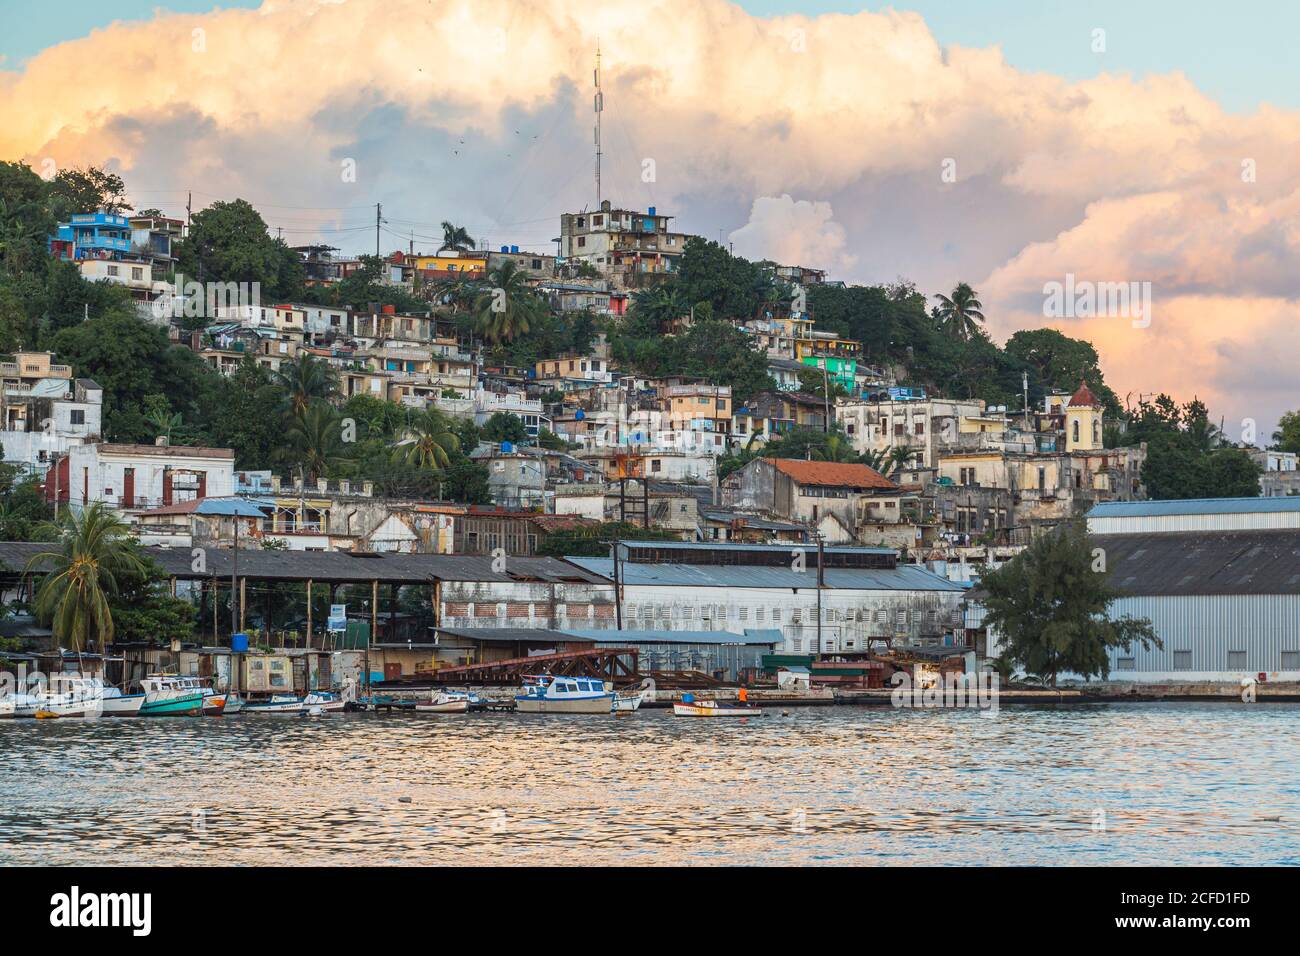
[[794, 233], [817, 139]]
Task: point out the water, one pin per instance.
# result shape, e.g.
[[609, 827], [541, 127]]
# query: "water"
[[1085, 784]]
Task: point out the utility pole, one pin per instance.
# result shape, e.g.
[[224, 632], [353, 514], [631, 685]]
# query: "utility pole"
[[826, 394], [379, 208], [821, 582], [234, 584], [599, 105]]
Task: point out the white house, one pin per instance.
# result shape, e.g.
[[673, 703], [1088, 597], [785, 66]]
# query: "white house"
[[139, 477]]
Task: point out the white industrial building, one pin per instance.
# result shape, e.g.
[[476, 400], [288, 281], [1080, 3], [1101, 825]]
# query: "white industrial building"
[[1219, 579], [865, 594]]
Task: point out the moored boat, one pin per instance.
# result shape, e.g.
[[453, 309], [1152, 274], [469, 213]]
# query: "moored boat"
[[326, 701], [70, 697], [169, 695], [118, 704], [711, 708], [548, 694], [277, 704], [214, 705], [234, 705], [443, 704]]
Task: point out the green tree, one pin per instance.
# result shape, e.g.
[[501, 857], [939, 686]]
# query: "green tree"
[[1287, 436], [315, 442], [304, 380], [242, 413], [1050, 606], [455, 237], [1060, 363], [507, 308], [429, 443], [82, 569], [143, 609], [503, 426], [960, 314], [77, 190], [229, 242], [660, 305]]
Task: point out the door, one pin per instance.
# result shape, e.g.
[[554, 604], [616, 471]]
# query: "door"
[[392, 671]]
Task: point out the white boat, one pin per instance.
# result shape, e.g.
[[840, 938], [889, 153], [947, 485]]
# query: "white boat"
[[711, 708], [70, 697], [234, 704], [327, 702], [630, 701], [277, 704], [118, 704], [444, 704], [18, 705], [548, 694]]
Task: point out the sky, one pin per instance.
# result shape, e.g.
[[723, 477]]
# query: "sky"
[[1010, 144]]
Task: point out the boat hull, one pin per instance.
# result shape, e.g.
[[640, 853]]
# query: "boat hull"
[[185, 705], [443, 707], [214, 705], [582, 705], [125, 706], [695, 710], [625, 705]]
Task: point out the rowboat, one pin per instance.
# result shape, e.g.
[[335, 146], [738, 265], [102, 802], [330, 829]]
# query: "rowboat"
[[711, 708], [443, 704], [548, 694]]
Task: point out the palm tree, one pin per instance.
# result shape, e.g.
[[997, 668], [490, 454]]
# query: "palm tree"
[[835, 448], [508, 308], [315, 440], [455, 237], [429, 442], [960, 315], [887, 461], [82, 566], [459, 291], [304, 380], [660, 305]]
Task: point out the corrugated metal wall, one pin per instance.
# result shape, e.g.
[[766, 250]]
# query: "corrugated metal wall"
[[1238, 521], [1210, 626]]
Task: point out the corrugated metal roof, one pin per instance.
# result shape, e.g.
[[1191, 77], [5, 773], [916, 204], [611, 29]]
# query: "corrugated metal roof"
[[338, 566], [1194, 506], [907, 577], [1203, 562], [635, 543], [610, 636], [523, 635]]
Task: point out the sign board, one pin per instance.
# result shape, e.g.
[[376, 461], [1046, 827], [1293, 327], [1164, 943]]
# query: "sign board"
[[338, 619]]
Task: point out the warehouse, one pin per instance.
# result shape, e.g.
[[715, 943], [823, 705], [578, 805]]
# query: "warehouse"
[[864, 595], [1219, 579]]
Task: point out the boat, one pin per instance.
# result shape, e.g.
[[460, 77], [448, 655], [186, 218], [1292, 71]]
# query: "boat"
[[548, 694], [277, 704], [170, 695], [444, 704], [711, 708], [72, 697], [326, 701], [234, 705], [18, 705], [214, 705], [630, 701], [118, 704]]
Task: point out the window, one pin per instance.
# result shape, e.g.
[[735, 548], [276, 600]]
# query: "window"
[[1291, 660], [1125, 664], [78, 416], [1236, 660], [1182, 660], [582, 240], [1075, 432], [137, 274], [112, 270]]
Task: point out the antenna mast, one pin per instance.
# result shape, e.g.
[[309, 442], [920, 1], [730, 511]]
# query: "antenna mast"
[[599, 104]]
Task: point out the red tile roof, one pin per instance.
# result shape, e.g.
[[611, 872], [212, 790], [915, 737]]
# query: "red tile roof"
[[834, 473], [1084, 397]]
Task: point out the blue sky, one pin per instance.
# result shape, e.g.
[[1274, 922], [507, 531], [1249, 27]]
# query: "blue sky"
[[1241, 53]]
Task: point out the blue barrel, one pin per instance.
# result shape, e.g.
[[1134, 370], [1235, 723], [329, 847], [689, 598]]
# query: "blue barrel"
[[239, 643], [688, 698]]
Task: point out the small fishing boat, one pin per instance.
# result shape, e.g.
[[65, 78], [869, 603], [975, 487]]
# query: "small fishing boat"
[[548, 694], [170, 695], [711, 708], [118, 704], [444, 704], [71, 697], [214, 705], [277, 704], [234, 705], [19, 705], [630, 700], [326, 701]]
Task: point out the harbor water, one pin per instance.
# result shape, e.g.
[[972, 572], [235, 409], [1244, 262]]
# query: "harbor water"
[[1169, 783]]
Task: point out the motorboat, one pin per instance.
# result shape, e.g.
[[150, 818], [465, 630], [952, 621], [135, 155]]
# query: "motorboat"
[[444, 704], [689, 707], [628, 702], [171, 695], [118, 704], [549, 694], [70, 697]]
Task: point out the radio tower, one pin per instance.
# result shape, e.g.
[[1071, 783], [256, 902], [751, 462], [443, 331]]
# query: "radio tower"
[[599, 104]]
